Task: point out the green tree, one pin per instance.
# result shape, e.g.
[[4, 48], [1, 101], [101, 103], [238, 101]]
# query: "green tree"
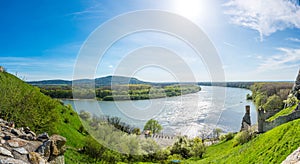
[[183, 147], [217, 132], [273, 102], [136, 131], [198, 147], [153, 126]]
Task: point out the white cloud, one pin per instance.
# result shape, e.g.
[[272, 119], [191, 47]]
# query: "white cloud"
[[288, 58], [229, 44], [293, 39], [264, 16]]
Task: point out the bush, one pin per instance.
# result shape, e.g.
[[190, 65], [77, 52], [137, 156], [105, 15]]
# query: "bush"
[[249, 97], [183, 147], [162, 154], [187, 148], [290, 101], [198, 149], [243, 137], [227, 137], [273, 102], [175, 157], [153, 126]]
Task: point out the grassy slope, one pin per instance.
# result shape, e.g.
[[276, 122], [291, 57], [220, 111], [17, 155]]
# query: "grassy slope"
[[271, 147], [68, 129], [283, 112]]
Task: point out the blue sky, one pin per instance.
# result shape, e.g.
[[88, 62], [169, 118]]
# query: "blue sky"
[[256, 40]]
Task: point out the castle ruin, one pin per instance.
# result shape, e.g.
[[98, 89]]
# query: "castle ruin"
[[262, 115]]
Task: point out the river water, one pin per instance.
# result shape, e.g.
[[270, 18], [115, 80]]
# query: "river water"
[[190, 114]]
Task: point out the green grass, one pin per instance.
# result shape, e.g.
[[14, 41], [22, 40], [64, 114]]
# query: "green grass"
[[271, 147], [19, 99], [283, 112]]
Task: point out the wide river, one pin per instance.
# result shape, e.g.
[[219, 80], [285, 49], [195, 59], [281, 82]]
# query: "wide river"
[[190, 114]]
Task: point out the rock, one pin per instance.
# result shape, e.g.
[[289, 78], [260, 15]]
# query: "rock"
[[21, 150], [43, 136], [35, 158], [28, 137], [22, 157], [21, 146], [44, 149], [11, 160], [57, 145], [11, 124], [28, 131], [32, 146], [58, 160], [17, 142], [7, 137], [16, 132], [5, 152], [293, 158]]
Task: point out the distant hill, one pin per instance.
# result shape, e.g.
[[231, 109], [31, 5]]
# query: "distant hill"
[[102, 81], [120, 80]]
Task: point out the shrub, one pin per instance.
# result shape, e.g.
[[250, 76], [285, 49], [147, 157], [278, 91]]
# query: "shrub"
[[273, 102], [136, 131], [249, 97], [183, 147], [290, 101], [198, 149], [175, 157], [242, 137], [153, 126], [227, 137]]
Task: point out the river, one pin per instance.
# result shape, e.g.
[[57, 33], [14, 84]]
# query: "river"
[[181, 115]]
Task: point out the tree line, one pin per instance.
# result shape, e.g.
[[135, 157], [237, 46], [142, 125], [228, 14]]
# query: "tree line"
[[119, 92]]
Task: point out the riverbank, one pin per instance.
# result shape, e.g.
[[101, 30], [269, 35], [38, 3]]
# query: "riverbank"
[[119, 92]]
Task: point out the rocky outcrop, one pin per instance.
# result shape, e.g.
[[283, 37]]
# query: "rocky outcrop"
[[246, 122], [293, 158], [21, 145]]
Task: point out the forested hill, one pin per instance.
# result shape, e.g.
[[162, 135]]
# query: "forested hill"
[[102, 81], [121, 80]]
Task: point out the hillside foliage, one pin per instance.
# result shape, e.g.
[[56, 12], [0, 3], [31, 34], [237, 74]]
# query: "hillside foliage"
[[270, 95]]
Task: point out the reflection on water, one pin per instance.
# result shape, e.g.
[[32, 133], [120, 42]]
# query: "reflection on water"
[[183, 115]]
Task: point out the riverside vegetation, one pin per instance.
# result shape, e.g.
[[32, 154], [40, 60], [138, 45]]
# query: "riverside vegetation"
[[20, 101], [119, 92]]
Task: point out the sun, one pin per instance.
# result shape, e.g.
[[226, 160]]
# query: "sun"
[[192, 9]]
